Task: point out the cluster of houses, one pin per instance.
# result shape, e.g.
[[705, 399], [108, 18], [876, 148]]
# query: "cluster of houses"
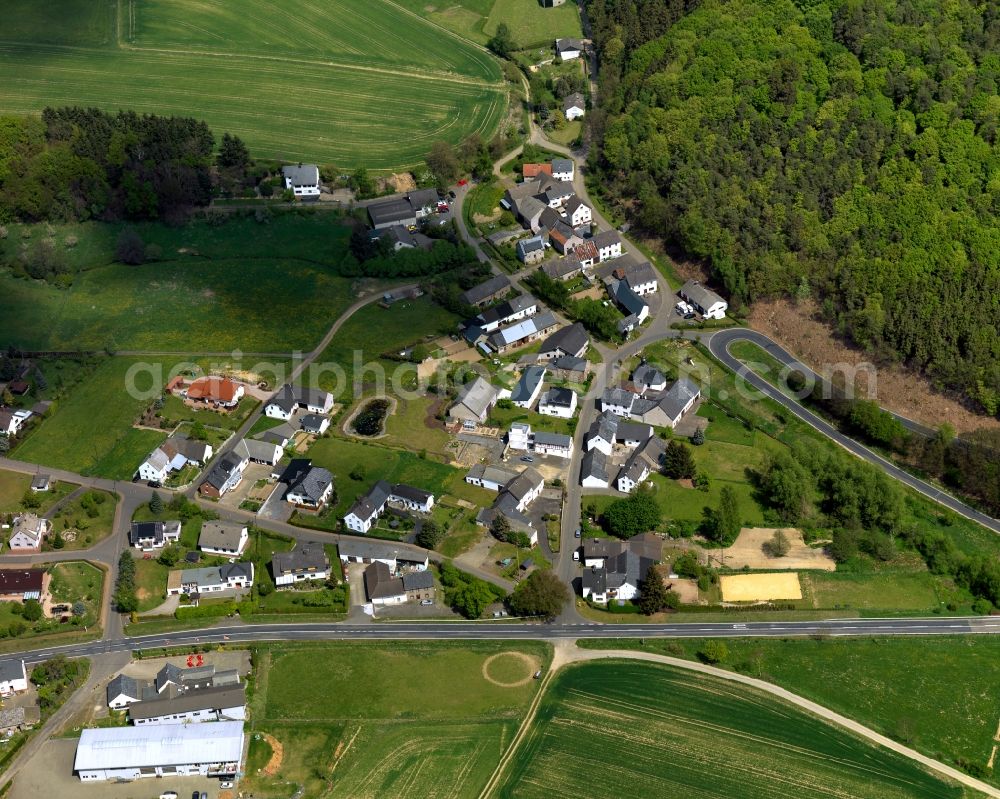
[[22, 716], [508, 325], [515, 493], [393, 576], [192, 719]]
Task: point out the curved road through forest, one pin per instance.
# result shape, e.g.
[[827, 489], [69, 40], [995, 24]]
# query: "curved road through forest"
[[719, 344]]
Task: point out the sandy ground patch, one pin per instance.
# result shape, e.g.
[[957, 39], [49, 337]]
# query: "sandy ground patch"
[[530, 663], [798, 329], [760, 587], [685, 588], [749, 551], [277, 755]]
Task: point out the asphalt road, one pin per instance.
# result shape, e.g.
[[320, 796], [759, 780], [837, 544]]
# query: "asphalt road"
[[458, 631], [719, 344]]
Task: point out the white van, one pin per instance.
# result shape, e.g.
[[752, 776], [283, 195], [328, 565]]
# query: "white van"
[[576, 554]]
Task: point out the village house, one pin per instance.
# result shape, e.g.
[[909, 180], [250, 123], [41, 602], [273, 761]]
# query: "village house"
[[173, 455], [13, 677], [29, 533], [594, 469], [647, 377], [577, 212], [309, 486], [531, 251], [574, 106], [564, 239], [568, 49], [643, 460], [569, 367], [371, 551], [221, 703], [586, 252], [228, 539], [705, 301], [487, 292], [289, 399], [532, 171], [368, 508], [562, 169], [474, 403], [306, 562], [219, 392], [526, 392], [507, 312], [558, 445], [404, 211], [41, 483], [148, 536], [228, 578], [266, 452], [493, 478], [667, 409], [618, 401], [571, 340], [562, 268], [314, 424], [17, 719], [609, 245], [615, 569], [559, 402], [224, 476], [522, 333], [384, 588], [303, 180]]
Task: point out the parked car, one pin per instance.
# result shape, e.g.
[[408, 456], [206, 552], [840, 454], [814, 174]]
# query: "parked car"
[[452, 195], [426, 601], [226, 784], [168, 795], [155, 484], [689, 315], [204, 795], [195, 795], [527, 459], [576, 533], [576, 554]]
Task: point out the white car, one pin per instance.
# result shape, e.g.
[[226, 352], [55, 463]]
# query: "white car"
[[226, 784], [168, 795]]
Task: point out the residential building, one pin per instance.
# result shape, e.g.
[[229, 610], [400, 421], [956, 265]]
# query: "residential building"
[[574, 106], [229, 577], [228, 539], [523, 332], [404, 211], [18, 719], [305, 562], [532, 171], [255, 451], [631, 434], [570, 340], [192, 678], [505, 313], [528, 388], [13, 677], [631, 304], [308, 486], [577, 212], [586, 252], [705, 301], [615, 569], [644, 460], [224, 476], [562, 268], [475, 401], [279, 435], [618, 401], [559, 402], [569, 367], [568, 49], [523, 489], [564, 239], [594, 469], [389, 553], [518, 437], [609, 245], [118, 753], [667, 409], [303, 180], [554, 193], [556, 444], [222, 703], [647, 377], [486, 292], [123, 691], [410, 498], [173, 455], [384, 588], [552, 3], [29, 533], [531, 250], [9, 423], [219, 392], [20, 585], [562, 169], [492, 478], [367, 509], [148, 536], [602, 433], [314, 424], [41, 483], [287, 401]]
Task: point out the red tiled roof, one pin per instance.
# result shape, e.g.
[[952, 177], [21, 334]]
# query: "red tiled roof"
[[218, 389], [20, 581], [534, 170], [174, 382], [586, 251]]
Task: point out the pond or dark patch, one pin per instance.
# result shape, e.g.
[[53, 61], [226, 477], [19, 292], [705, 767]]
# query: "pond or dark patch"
[[370, 420]]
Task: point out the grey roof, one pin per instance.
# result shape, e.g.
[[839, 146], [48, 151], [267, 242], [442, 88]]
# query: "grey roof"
[[606, 238], [380, 583], [508, 308], [677, 396], [418, 581], [703, 297], [127, 686], [221, 535], [223, 470], [312, 484], [529, 382], [387, 211], [574, 100], [533, 244], [595, 579], [553, 439], [486, 289], [11, 670], [159, 745], [629, 301], [477, 396], [560, 268], [605, 426], [257, 450], [633, 431], [646, 374], [640, 274], [523, 484], [549, 218], [301, 175], [602, 548], [570, 363], [572, 204], [558, 396], [184, 677], [492, 474], [40, 481], [531, 207], [304, 558], [279, 435], [618, 396], [142, 531], [369, 504], [368, 549], [400, 234], [594, 464], [562, 165], [569, 340], [409, 492], [568, 44], [312, 422], [211, 698], [215, 575]]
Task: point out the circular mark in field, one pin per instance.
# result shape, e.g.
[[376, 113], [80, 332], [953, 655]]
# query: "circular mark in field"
[[507, 662]]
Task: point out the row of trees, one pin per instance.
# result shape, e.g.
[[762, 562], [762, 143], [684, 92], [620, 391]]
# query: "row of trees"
[[839, 149]]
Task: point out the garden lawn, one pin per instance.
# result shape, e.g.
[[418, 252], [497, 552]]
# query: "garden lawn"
[[665, 732], [889, 591], [14, 487], [936, 694], [175, 411], [91, 515], [151, 582], [368, 334], [408, 427], [75, 581]]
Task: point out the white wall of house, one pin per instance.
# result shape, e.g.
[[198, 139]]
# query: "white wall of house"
[[354, 522], [291, 579], [581, 215], [238, 713], [593, 482], [610, 251], [575, 112], [559, 452]]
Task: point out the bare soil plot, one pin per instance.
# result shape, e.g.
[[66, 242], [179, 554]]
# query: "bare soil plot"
[[685, 588], [750, 551], [760, 587]]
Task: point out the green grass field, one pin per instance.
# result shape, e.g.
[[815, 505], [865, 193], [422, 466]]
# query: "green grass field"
[[529, 23], [14, 487], [399, 719], [91, 515], [299, 82], [78, 580], [937, 695], [663, 732]]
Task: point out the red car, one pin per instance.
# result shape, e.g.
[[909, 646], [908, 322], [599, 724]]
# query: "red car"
[[442, 208], [463, 182]]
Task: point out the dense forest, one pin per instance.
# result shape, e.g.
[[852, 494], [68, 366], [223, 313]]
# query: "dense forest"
[[847, 150]]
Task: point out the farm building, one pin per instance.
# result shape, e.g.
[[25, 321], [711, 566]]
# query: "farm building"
[[211, 750], [705, 301]]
